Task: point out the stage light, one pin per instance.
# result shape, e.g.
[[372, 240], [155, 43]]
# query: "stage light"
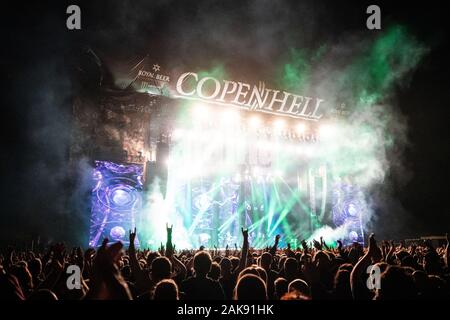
[[301, 128], [256, 171], [326, 131], [279, 124], [200, 111], [230, 116], [308, 150], [255, 121], [177, 134], [292, 148], [192, 172], [276, 146], [191, 135], [264, 145], [279, 173], [237, 178], [322, 171], [260, 144]]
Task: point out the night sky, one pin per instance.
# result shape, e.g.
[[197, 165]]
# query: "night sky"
[[39, 56]]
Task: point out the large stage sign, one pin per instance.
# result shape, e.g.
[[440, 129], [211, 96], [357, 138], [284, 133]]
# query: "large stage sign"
[[197, 86], [116, 201], [245, 96]]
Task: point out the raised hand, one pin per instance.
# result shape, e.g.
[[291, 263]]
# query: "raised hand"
[[245, 233], [169, 230], [169, 246], [317, 244], [392, 243], [107, 282], [339, 242], [89, 254], [304, 245], [274, 248], [374, 252], [161, 249], [132, 236], [373, 255], [244, 252], [88, 260]]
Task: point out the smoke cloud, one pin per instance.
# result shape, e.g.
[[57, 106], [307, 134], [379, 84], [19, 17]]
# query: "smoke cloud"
[[292, 43]]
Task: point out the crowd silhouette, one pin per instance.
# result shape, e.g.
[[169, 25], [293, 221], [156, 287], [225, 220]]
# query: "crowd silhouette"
[[317, 271]]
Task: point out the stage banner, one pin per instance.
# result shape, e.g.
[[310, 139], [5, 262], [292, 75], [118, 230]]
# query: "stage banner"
[[155, 78], [116, 201]]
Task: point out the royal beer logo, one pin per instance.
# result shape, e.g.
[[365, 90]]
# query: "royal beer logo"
[[153, 75], [249, 97]]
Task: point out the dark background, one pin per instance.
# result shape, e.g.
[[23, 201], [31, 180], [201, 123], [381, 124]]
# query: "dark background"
[[39, 56]]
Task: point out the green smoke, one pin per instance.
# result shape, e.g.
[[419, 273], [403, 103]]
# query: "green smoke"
[[369, 82], [355, 148], [296, 73], [387, 60], [217, 72]]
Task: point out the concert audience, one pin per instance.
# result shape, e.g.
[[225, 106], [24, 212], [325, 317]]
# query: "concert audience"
[[382, 271]]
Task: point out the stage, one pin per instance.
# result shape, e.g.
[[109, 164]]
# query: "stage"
[[210, 170]]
